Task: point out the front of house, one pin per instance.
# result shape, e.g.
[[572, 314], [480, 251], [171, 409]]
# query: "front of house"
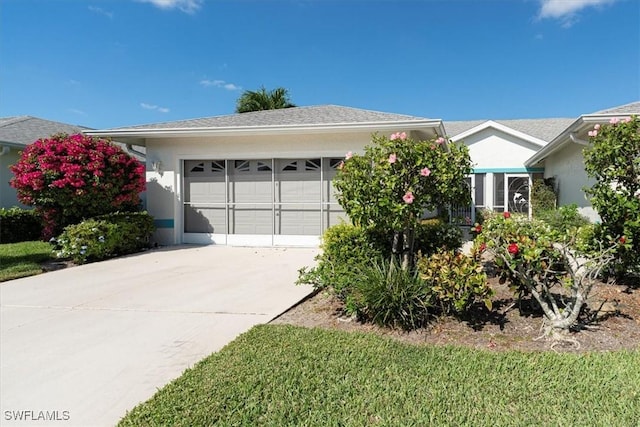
[[261, 178], [264, 178]]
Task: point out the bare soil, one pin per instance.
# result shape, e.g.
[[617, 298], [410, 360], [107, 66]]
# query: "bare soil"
[[611, 321]]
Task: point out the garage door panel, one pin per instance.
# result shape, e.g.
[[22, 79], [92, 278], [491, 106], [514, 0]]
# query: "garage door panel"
[[251, 219], [204, 192], [298, 219], [204, 219]]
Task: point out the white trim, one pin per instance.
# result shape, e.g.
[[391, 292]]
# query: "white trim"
[[580, 125], [491, 124], [436, 125], [300, 241]]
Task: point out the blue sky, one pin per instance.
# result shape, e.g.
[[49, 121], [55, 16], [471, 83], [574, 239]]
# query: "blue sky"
[[110, 63]]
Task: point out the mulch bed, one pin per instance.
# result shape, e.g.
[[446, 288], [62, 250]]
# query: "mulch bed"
[[612, 322]]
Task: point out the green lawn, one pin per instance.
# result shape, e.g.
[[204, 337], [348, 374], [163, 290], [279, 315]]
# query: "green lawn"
[[22, 259], [278, 375]]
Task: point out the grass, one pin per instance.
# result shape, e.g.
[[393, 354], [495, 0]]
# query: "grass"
[[22, 259], [278, 375]]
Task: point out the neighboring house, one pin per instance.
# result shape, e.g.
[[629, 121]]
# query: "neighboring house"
[[258, 178], [498, 149], [562, 158], [15, 134]]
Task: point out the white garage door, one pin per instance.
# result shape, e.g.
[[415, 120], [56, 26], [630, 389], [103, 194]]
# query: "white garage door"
[[259, 201]]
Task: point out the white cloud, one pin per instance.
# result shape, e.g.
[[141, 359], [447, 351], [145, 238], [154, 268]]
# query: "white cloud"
[[154, 107], [101, 11], [187, 6], [76, 111], [220, 83], [566, 11]]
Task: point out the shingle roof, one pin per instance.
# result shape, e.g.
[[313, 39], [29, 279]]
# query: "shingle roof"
[[312, 115], [544, 129], [24, 130], [632, 108]]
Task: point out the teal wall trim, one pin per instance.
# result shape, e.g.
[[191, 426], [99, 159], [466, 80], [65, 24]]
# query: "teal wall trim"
[[163, 223], [508, 170]]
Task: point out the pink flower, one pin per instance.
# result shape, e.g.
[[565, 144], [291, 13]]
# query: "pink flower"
[[627, 120], [614, 120], [506, 215], [408, 197], [440, 140], [400, 135], [392, 158], [348, 155], [513, 249], [597, 126], [593, 133], [425, 172]]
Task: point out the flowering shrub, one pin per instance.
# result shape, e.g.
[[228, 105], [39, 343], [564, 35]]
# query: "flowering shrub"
[[104, 237], [71, 177], [556, 274], [390, 186], [613, 160]]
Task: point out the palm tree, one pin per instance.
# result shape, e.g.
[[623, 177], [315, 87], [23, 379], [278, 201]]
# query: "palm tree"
[[263, 100]]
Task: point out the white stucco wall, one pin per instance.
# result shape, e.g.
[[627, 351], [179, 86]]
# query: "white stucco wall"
[[566, 166], [497, 150], [8, 196]]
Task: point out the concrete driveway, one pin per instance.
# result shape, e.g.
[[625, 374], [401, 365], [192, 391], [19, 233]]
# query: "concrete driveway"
[[81, 346]]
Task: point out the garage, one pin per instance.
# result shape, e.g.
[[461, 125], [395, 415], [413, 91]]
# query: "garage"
[[275, 202]]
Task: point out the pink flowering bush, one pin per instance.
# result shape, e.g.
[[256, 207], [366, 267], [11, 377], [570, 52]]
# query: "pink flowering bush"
[[71, 177], [389, 187], [613, 161]]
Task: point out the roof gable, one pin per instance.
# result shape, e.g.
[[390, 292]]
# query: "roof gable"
[[541, 129], [490, 124]]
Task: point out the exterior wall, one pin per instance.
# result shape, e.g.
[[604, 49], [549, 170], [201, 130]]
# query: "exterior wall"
[[567, 167], [498, 151], [8, 197], [493, 151], [164, 192]]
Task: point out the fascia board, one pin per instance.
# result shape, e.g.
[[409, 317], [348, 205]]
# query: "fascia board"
[[557, 143], [582, 123], [266, 130], [505, 129]]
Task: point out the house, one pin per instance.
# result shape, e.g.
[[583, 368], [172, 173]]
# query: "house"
[[562, 158], [265, 177], [16, 133], [498, 149], [258, 178]]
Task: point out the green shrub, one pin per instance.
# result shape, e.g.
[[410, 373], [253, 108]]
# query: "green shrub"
[[392, 296], [346, 249], [543, 197], [563, 220], [19, 225], [454, 281], [105, 236], [435, 234]]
